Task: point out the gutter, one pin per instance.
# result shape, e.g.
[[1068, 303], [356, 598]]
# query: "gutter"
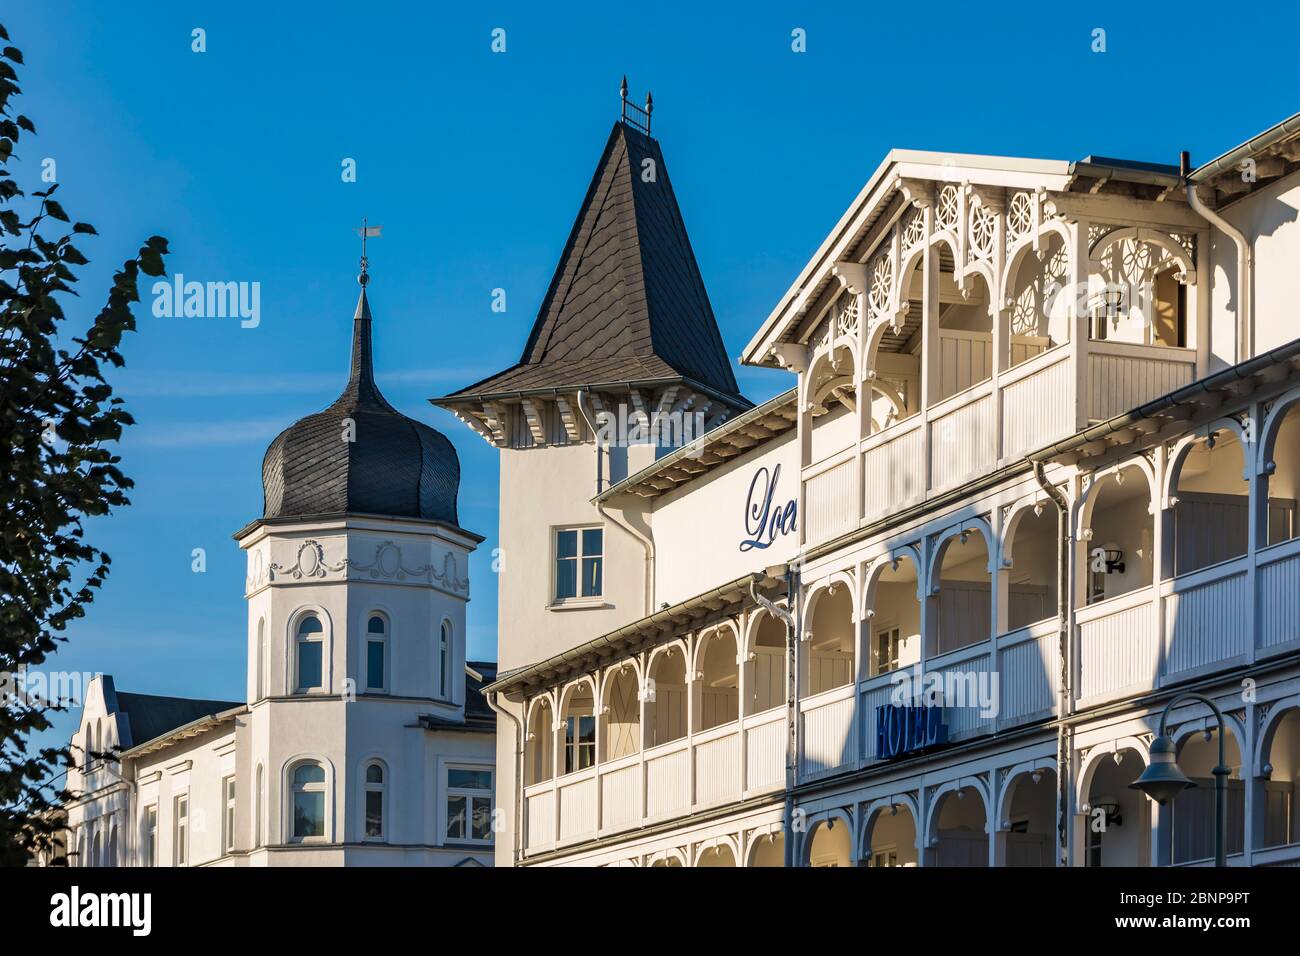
[[611, 642], [519, 775], [1245, 262], [194, 726], [1064, 692], [1231, 160]]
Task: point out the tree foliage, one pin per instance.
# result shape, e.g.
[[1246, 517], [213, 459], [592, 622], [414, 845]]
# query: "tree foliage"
[[59, 419]]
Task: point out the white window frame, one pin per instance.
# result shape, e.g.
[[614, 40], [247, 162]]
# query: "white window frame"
[[149, 824], [291, 790], [382, 640], [259, 798], [877, 633], [181, 829], [298, 641], [578, 599], [445, 635], [259, 690], [448, 791], [228, 814], [368, 788]]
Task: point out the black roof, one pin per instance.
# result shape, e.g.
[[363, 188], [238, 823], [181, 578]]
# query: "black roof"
[[627, 302], [395, 466], [150, 716]]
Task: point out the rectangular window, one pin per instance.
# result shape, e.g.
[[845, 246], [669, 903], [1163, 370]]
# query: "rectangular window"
[[309, 665], [374, 665], [469, 805], [579, 563], [579, 743], [181, 831], [228, 818], [150, 841], [888, 643]]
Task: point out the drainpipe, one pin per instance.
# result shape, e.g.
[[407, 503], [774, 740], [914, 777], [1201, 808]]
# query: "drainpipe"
[[792, 675], [1063, 695], [1245, 260], [519, 775], [646, 542]]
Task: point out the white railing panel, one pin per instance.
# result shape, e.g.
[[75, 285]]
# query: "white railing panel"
[[717, 769], [1279, 601], [765, 752], [668, 780], [1122, 377], [578, 808], [540, 810], [829, 740], [1030, 672], [895, 470], [877, 692], [969, 704], [1037, 409], [1115, 645], [831, 501], [1203, 622], [962, 443], [620, 797]]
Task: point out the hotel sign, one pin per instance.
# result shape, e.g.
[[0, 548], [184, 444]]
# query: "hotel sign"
[[765, 521], [903, 729]]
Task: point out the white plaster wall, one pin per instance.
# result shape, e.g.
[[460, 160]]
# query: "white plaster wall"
[[699, 528]]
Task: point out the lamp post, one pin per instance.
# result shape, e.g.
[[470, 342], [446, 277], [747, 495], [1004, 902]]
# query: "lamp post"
[[1162, 780]]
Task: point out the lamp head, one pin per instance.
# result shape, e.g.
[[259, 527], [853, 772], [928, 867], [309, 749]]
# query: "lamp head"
[[1162, 780]]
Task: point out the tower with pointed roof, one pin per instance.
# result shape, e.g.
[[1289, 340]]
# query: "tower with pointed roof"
[[623, 363]]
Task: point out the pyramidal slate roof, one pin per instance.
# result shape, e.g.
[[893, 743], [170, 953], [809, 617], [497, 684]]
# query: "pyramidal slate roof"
[[393, 466], [627, 302]]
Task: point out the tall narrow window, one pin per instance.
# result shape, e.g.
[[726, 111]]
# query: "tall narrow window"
[[181, 831], [376, 794], [311, 657], [376, 650], [444, 660], [228, 816], [260, 663], [149, 842], [309, 802], [257, 809], [579, 563], [579, 742], [469, 804]]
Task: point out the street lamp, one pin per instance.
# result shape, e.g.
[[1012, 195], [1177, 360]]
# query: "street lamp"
[[1162, 780]]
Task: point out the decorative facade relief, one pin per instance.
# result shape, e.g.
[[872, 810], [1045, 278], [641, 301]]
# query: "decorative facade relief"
[[309, 563]]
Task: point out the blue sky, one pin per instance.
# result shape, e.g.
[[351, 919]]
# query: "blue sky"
[[475, 163]]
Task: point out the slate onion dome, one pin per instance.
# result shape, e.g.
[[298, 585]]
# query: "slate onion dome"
[[394, 467]]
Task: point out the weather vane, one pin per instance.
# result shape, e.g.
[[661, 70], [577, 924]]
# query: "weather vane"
[[366, 232]]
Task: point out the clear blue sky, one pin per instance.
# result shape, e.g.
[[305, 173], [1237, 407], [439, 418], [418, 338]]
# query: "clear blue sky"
[[475, 163]]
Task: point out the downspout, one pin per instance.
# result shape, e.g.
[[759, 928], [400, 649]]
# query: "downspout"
[[646, 542], [786, 617], [1245, 261], [519, 775], [1063, 695]]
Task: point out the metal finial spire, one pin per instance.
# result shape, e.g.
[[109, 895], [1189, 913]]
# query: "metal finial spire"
[[638, 117], [649, 103], [366, 232], [622, 90]]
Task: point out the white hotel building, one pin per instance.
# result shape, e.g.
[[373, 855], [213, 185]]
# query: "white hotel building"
[[1042, 442], [363, 737]]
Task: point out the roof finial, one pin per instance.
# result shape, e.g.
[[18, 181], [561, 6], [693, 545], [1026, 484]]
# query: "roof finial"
[[638, 117], [366, 232]]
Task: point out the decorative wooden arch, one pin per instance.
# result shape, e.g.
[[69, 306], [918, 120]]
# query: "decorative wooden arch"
[[713, 843], [1036, 502], [612, 673], [1088, 769], [828, 585], [708, 634], [1268, 432], [1088, 499], [961, 529], [1277, 712], [1178, 456], [1026, 769], [828, 817], [1152, 237], [951, 788], [767, 834], [890, 804], [875, 567], [1016, 254]]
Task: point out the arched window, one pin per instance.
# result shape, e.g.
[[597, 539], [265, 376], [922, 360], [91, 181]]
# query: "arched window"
[[311, 653], [375, 801], [97, 855], [260, 799], [444, 660], [112, 847], [308, 808], [260, 663], [376, 653], [541, 740]]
